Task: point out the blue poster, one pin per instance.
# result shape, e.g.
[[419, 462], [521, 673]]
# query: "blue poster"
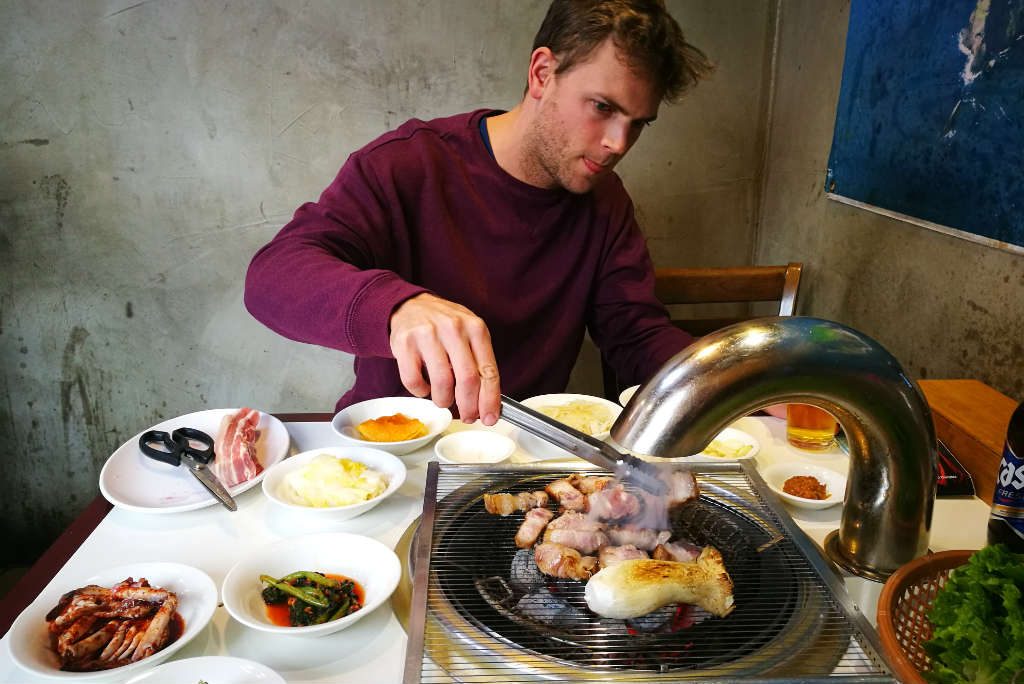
[[930, 122]]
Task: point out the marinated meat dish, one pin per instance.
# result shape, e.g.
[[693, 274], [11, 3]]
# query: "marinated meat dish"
[[610, 531], [96, 628]]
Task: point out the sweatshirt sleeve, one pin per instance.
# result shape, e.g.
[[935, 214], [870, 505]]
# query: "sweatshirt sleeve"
[[627, 322], [329, 276]]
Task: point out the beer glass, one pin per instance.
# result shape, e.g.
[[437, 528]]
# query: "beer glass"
[[809, 427]]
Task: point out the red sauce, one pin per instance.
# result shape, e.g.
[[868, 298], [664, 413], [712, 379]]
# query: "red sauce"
[[277, 613]]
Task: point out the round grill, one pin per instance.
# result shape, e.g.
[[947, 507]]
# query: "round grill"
[[472, 565]]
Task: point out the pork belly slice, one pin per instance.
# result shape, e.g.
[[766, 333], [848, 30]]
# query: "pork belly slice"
[[681, 552], [533, 524], [641, 537], [505, 504], [567, 496], [557, 560], [588, 484], [577, 531], [682, 486], [613, 503], [236, 454], [612, 555], [636, 587]]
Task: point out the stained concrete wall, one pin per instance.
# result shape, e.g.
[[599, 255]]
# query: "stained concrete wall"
[[944, 306], [149, 148]]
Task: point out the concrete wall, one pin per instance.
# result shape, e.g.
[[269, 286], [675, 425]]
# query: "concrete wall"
[[149, 148], [944, 306]]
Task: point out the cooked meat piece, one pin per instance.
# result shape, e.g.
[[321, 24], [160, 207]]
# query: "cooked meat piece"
[[610, 555], [637, 587], [505, 504], [588, 484], [577, 531], [682, 486], [676, 551], [533, 524], [567, 496], [640, 537], [557, 560], [613, 503]]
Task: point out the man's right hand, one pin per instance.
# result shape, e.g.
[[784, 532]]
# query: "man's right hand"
[[453, 345]]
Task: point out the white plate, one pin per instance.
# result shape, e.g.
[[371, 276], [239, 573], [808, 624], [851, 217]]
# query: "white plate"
[[366, 560], [210, 669], [138, 483], [388, 464], [29, 640], [777, 474], [542, 450], [729, 438]]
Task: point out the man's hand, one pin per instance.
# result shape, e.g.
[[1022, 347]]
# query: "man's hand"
[[454, 346]]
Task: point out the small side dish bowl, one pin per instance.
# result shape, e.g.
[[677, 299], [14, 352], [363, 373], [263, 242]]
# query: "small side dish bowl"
[[544, 450], [835, 483], [276, 489], [29, 641], [372, 565], [474, 446], [627, 394], [435, 418]]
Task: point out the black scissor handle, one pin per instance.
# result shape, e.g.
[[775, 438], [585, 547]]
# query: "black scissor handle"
[[179, 442], [169, 454], [186, 437]]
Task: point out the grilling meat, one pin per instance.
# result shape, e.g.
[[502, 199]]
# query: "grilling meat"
[[562, 561], [611, 555], [95, 628], [578, 531], [567, 496], [533, 524], [641, 537], [613, 503], [506, 504], [676, 551], [588, 484], [636, 587]]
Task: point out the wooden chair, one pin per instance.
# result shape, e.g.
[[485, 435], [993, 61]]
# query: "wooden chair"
[[729, 286]]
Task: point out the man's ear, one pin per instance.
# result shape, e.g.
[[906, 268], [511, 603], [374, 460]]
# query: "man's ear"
[[542, 71]]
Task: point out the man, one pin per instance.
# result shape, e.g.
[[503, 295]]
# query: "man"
[[462, 257]]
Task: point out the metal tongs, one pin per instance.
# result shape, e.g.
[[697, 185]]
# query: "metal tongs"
[[601, 454]]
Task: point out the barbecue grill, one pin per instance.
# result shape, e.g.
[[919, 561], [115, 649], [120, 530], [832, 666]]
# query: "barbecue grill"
[[481, 612]]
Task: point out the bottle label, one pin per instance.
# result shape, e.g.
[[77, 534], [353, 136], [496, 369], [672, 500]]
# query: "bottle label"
[[1008, 501]]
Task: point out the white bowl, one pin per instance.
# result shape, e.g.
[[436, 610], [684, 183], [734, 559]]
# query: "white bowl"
[[365, 560], [474, 446], [777, 474], [381, 461], [436, 419], [627, 394], [215, 669], [543, 450], [29, 641]]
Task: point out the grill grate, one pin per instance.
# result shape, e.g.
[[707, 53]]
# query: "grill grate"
[[481, 612]]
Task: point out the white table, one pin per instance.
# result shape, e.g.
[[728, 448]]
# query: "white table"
[[373, 650]]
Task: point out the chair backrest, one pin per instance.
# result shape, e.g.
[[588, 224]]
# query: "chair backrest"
[[725, 285]]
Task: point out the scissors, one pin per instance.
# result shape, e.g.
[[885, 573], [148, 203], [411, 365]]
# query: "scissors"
[[194, 448]]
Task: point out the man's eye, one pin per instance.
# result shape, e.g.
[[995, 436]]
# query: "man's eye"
[[602, 107]]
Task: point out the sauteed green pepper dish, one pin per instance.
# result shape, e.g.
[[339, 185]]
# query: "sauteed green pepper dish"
[[311, 598]]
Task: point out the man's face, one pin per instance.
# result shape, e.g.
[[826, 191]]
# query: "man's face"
[[588, 118]]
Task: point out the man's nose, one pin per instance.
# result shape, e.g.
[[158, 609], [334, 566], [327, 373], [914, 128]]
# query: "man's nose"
[[616, 138]]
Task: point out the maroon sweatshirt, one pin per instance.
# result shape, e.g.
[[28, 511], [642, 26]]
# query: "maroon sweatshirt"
[[427, 208]]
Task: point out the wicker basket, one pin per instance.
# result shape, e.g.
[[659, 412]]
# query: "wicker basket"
[[903, 605]]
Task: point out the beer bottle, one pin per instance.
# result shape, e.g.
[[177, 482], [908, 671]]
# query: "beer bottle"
[[1006, 522]]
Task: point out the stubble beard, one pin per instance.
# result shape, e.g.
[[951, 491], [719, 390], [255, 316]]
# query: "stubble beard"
[[546, 161]]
